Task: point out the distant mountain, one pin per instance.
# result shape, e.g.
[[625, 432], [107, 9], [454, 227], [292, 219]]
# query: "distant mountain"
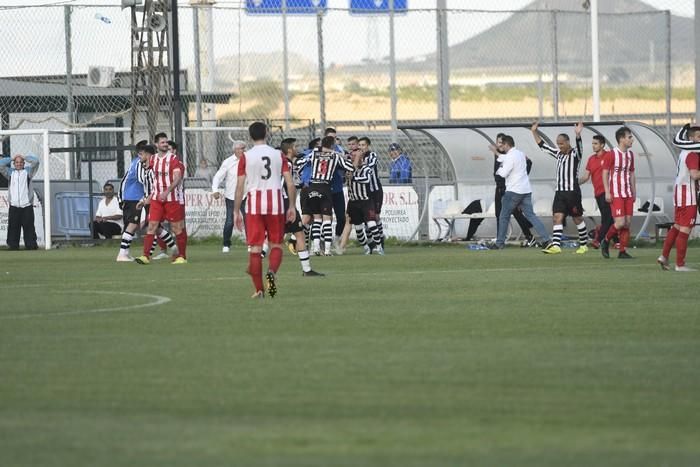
[[632, 33]]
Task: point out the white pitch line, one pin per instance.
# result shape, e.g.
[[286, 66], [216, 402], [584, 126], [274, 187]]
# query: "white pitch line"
[[158, 300]]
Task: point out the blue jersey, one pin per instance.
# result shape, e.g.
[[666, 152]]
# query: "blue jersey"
[[304, 168], [132, 186]]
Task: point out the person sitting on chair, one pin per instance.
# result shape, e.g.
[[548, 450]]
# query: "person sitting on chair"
[[109, 216]]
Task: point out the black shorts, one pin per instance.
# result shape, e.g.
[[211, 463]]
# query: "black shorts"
[[304, 200], [292, 227], [320, 201], [361, 211], [132, 214], [568, 202], [378, 198]]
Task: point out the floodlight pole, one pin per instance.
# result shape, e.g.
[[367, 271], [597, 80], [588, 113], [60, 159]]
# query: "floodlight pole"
[[595, 65], [175, 64]]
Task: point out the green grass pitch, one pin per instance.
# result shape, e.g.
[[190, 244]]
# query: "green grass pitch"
[[428, 356]]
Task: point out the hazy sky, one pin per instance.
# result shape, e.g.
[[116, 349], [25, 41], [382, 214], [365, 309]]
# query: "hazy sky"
[[34, 41]]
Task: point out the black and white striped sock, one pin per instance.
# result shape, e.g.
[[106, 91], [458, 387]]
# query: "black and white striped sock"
[[327, 232], [126, 243], [557, 231], [167, 238], [582, 234], [304, 259], [380, 229], [360, 233], [373, 232], [316, 234]]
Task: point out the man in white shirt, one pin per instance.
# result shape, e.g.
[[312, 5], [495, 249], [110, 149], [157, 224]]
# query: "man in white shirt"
[[109, 216], [228, 175], [21, 199], [518, 191]]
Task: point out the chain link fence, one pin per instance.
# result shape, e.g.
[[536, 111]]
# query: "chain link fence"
[[70, 66]]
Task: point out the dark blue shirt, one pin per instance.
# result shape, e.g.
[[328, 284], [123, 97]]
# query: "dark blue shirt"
[[400, 170]]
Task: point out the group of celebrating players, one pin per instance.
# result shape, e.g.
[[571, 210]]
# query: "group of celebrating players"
[[612, 174], [268, 182]]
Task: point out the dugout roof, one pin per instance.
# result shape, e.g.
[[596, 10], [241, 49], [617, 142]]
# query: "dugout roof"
[[466, 147]]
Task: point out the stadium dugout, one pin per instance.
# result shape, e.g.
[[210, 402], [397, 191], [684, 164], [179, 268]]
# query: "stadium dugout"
[[466, 148]]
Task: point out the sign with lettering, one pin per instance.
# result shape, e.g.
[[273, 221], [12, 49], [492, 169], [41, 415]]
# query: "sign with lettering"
[[400, 211]]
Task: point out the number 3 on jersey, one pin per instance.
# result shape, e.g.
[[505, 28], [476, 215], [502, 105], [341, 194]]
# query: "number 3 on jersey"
[[268, 170]]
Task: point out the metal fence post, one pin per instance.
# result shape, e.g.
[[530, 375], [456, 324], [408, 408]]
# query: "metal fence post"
[[595, 64], [555, 68], [697, 60], [392, 70], [321, 69], [70, 110], [669, 89], [197, 79], [443, 63], [285, 65]]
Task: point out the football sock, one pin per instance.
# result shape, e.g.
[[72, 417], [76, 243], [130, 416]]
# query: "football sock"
[[582, 234], [155, 242], [681, 248], [316, 234], [557, 230], [126, 243], [275, 259], [255, 270], [612, 231], [147, 244], [307, 232], [380, 230], [327, 232], [360, 233], [373, 232], [182, 243], [165, 238], [624, 239], [304, 259], [670, 241]]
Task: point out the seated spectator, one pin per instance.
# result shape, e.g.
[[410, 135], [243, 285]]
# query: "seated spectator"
[[400, 170], [109, 217], [204, 171]]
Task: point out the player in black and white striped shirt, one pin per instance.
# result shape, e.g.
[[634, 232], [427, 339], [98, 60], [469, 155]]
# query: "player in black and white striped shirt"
[[361, 209], [567, 197], [320, 202], [375, 186]]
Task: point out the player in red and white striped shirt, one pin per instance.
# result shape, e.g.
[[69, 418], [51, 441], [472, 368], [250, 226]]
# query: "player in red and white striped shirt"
[[684, 202], [620, 191], [260, 173], [167, 200]]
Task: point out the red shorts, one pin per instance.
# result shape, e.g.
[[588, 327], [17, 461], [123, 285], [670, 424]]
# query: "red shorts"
[[257, 225], [171, 211], [620, 207], [685, 216]]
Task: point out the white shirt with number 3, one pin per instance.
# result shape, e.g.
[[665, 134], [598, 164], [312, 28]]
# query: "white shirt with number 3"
[[263, 166]]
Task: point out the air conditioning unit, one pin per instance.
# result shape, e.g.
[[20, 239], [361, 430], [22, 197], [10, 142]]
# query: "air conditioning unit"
[[100, 76]]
